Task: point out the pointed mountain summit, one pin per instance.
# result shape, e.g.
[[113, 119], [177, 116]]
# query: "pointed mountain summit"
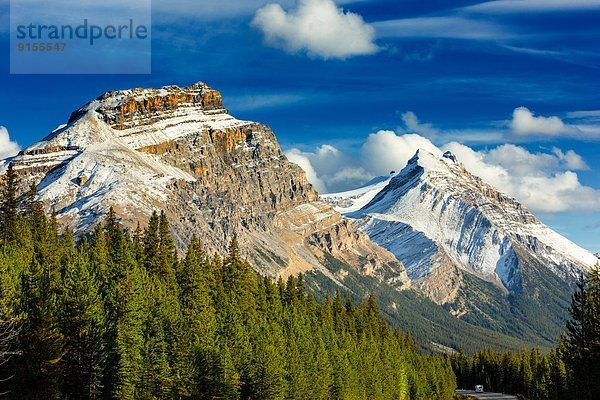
[[470, 247]]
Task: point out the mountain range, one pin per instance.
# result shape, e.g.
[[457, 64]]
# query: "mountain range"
[[448, 256]]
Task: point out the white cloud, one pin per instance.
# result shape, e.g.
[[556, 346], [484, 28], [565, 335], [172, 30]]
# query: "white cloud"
[[8, 148], [591, 114], [318, 27], [570, 159], [524, 122], [385, 151], [439, 136], [543, 181], [329, 169], [452, 27], [523, 126], [261, 101], [303, 161], [413, 125], [519, 6]]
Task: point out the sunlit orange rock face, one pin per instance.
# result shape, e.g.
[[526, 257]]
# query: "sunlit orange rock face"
[[139, 104]]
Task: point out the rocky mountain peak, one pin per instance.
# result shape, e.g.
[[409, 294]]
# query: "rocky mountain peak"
[[421, 157], [450, 156], [440, 163], [124, 108]]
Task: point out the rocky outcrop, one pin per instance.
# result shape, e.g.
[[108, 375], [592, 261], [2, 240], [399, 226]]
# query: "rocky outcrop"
[[325, 232], [126, 108]]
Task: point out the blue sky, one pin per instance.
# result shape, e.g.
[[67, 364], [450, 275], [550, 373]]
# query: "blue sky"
[[347, 93]]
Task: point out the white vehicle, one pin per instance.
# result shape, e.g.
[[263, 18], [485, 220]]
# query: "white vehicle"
[[479, 388]]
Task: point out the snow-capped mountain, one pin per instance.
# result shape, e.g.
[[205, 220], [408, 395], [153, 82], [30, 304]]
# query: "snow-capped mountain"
[[448, 227], [179, 150]]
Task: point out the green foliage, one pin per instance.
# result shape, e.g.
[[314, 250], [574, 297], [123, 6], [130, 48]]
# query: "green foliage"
[[9, 205], [121, 316]]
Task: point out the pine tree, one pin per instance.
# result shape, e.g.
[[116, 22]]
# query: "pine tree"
[[82, 322], [97, 323], [265, 370], [40, 338], [132, 314], [233, 270], [217, 377], [9, 205], [167, 254], [151, 244], [322, 371], [198, 314], [156, 374]]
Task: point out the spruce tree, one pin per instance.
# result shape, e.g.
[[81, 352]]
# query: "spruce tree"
[[582, 344], [41, 341], [82, 321], [167, 254], [151, 244], [132, 315], [265, 370], [97, 323], [9, 205]]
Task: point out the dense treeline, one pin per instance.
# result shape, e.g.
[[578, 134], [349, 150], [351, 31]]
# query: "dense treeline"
[[570, 371], [119, 315]]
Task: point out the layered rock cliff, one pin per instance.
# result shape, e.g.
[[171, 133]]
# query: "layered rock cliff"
[[179, 150]]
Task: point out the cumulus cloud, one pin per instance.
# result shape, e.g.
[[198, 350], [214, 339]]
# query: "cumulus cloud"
[[318, 27], [385, 151], [543, 181], [329, 169], [524, 122], [8, 148], [584, 125], [411, 124], [303, 161], [523, 126]]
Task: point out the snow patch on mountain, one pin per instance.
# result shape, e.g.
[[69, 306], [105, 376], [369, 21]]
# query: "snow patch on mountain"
[[356, 199], [100, 168]]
